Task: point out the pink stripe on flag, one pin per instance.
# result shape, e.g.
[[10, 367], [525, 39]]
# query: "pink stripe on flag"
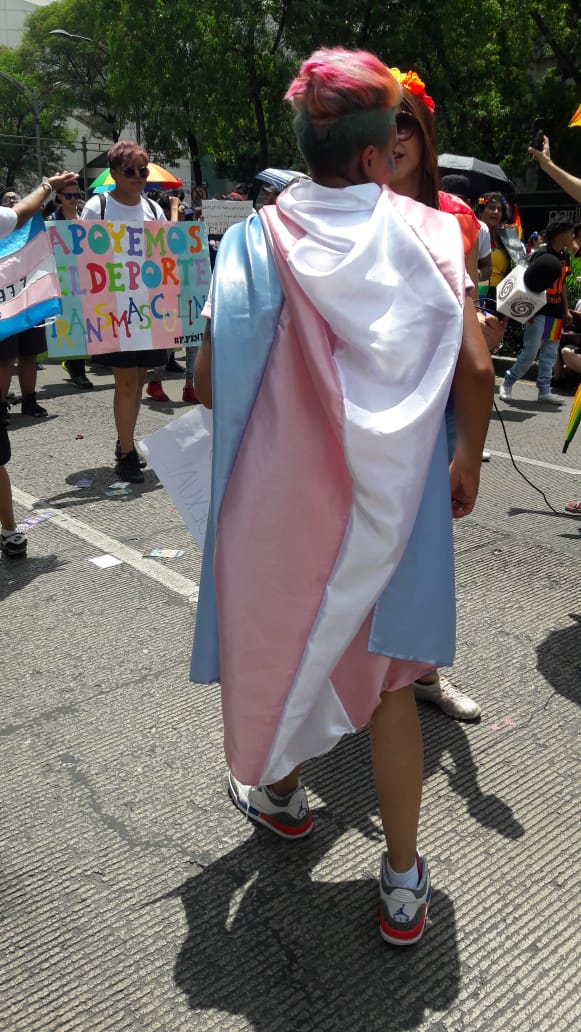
[[361, 676], [24, 261], [45, 288], [279, 455]]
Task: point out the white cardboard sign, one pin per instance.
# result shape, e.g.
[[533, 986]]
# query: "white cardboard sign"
[[181, 455]]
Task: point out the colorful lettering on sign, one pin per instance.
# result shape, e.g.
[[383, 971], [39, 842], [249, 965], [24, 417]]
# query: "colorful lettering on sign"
[[126, 286]]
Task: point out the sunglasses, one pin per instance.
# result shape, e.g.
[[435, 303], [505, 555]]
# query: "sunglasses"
[[405, 125], [132, 173], [71, 196]]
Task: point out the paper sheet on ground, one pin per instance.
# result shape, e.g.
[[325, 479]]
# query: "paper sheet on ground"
[[181, 455]]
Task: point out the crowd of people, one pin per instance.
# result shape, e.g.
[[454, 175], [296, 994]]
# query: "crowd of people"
[[370, 447]]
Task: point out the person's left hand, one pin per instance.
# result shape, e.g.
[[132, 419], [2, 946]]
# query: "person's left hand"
[[464, 481], [493, 329]]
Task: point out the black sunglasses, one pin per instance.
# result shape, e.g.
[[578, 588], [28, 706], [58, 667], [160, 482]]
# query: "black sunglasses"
[[131, 173], [405, 125], [71, 196]]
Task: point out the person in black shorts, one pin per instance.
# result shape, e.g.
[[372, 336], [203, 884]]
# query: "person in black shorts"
[[128, 163], [12, 541], [22, 348]]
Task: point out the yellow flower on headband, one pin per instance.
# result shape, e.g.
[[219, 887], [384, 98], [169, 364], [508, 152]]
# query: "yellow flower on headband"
[[412, 82]]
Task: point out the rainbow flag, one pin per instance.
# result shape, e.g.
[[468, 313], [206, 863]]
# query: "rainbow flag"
[[574, 419], [552, 329], [29, 290]]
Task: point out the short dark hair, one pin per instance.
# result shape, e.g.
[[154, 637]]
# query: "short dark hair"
[[456, 184], [125, 151], [560, 224]]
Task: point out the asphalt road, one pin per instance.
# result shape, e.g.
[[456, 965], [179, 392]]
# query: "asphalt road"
[[135, 897]]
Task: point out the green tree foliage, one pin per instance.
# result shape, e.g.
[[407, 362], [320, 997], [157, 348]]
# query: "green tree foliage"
[[18, 149], [76, 71], [209, 77]]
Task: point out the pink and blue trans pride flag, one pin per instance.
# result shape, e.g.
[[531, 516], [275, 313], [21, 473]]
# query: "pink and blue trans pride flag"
[[327, 574], [29, 290]]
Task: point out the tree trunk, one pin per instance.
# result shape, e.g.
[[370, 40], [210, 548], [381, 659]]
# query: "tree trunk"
[[194, 159]]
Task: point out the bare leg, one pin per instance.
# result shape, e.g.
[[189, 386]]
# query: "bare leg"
[[398, 760], [288, 785], [431, 677], [141, 375], [7, 520], [27, 374], [6, 365], [128, 384], [571, 359]]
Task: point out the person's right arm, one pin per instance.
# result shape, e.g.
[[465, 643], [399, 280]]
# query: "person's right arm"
[[473, 389], [203, 368], [570, 184], [33, 202]]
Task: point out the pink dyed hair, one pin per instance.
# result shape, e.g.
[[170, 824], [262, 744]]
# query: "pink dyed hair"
[[334, 82]]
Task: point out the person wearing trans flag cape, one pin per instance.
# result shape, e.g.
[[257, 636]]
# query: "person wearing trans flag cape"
[[327, 581]]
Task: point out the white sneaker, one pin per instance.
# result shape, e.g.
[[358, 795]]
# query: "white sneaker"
[[450, 700], [505, 392], [402, 912], [486, 456], [290, 818], [550, 399]]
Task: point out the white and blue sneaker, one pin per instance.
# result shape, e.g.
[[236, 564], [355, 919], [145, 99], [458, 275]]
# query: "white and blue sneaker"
[[290, 817], [402, 912]]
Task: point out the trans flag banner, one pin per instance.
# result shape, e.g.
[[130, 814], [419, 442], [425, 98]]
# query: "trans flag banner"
[[128, 287], [29, 288]]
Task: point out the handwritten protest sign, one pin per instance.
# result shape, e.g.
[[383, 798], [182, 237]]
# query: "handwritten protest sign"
[[128, 287], [220, 215], [181, 455]]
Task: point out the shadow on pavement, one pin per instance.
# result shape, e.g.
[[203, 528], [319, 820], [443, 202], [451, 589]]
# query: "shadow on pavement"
[[515, 511], [558, 659], [513, 416], [446, 749], [16, 574], [102, 477], [271, 939]]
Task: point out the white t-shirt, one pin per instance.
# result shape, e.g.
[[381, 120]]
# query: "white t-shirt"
[[484, 247], [8, 220], [116, 212]]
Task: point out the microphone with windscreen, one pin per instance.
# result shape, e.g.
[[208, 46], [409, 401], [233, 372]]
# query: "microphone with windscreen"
[[522, 293]]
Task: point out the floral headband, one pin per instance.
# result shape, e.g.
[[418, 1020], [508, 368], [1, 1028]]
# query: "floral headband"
[[412, 82], [487, 198]]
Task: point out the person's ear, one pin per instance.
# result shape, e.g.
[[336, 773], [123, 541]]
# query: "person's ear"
[[367, 162]]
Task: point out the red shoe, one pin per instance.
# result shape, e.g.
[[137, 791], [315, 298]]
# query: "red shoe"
[[189, 395], [156, 391]]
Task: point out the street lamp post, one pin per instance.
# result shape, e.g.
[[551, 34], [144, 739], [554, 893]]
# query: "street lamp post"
[[33, 98], [73, 35], [89, 39]]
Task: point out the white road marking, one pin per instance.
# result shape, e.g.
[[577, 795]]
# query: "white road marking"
[[148, 567], [536, 462]]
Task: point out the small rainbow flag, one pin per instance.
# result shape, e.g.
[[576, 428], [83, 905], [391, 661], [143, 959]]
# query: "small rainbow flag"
[[552, 329], [574, 419]]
